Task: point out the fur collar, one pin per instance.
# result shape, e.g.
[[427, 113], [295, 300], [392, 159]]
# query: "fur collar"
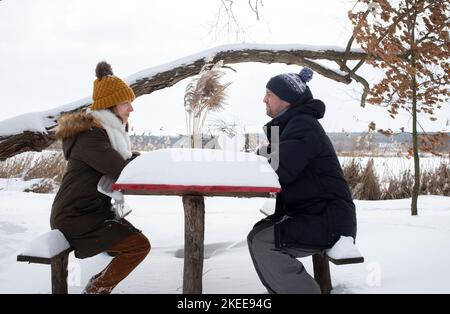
[[71, 124]]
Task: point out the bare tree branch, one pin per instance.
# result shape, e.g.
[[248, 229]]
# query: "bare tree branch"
[[26, 141], [168, 78], [254, 7], [231, 18], [359, 79], [148, 81]]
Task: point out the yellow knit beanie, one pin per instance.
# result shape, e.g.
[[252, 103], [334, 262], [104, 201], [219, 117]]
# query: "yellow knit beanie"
[[109, 90]]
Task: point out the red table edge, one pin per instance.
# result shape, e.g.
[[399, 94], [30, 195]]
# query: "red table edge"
[[196, 188]]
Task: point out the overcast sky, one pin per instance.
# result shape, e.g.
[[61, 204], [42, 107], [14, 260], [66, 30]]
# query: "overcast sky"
[[49, 49]]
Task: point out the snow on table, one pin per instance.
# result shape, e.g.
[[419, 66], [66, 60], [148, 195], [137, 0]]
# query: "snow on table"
[[206, 171]]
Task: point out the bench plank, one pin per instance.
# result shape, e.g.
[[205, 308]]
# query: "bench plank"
[[345, 261], [42, 260], [34, 259]]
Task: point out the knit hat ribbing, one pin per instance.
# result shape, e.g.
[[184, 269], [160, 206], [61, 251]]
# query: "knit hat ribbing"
[[109, 90], [290, 86]]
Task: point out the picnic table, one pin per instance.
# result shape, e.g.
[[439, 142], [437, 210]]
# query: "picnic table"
[[193, 201]]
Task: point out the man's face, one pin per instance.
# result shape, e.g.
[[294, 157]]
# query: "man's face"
[[123, 110], [274, 105]]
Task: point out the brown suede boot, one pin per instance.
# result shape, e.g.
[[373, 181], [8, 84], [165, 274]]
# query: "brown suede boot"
[[130, 253]]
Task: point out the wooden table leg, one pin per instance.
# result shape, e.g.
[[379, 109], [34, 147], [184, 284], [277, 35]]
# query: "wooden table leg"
[[59, 274], [322, 273], [194, 234]]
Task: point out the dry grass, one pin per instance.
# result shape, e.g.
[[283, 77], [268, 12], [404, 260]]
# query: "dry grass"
[[437, 181], [368, 185], [48, 167], [51, 166], [399, 187], [365, 184], [352, 173], [16, 167]]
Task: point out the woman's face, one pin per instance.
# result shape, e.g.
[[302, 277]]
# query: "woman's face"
[[123, 110]]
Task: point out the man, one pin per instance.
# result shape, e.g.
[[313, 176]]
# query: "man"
[[314, 207]]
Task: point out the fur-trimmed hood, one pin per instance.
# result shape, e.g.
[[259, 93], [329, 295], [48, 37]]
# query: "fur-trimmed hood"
[[72, 124]]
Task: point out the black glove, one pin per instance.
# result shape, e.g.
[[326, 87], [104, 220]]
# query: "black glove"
[[264, 150], [134, 155]]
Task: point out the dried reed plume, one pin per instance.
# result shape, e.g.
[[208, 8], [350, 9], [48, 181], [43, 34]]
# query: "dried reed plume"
[[204, 94]]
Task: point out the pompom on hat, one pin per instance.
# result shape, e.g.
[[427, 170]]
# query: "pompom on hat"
[[109, 90], [290, 87]]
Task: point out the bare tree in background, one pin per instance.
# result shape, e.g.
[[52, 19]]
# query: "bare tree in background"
[[227, 21], [409, 41]]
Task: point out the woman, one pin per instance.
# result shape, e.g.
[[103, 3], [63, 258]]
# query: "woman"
[[96, 144]]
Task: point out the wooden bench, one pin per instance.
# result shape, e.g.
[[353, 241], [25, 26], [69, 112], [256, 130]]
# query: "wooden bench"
[[344, 252], [51, 248], [321, 263]]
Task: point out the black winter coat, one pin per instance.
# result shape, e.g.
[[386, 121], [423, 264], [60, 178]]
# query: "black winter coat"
[[315, 205]]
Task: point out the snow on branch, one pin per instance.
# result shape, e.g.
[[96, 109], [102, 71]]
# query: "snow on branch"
[[148, 81], [35, 131]]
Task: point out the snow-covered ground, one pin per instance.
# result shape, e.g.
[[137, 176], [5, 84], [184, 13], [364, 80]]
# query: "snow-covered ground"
[[403, 254]]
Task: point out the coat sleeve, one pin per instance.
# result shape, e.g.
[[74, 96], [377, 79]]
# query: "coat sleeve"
[[299, 145], [95, 150]]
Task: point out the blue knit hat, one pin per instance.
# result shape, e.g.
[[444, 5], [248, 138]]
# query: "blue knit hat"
[[290, 86]]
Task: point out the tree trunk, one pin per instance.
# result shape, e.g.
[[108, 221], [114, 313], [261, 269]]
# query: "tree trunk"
[[194, 233], [416, 187], [247, 143]]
